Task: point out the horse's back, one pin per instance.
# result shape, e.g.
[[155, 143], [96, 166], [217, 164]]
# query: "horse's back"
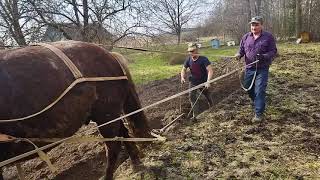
[[90, 59], [35, 77]]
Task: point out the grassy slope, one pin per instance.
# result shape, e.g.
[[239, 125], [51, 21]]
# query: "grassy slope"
[[226, 145], [146, 67], [149, 67]]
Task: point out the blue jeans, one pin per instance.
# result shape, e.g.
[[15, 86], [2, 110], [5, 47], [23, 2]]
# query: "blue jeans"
[[258, 91]]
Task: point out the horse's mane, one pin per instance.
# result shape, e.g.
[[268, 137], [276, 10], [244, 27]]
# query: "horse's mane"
[[124, 63], [141, 124]]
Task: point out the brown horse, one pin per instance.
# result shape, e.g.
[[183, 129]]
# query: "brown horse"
[[33, 77]]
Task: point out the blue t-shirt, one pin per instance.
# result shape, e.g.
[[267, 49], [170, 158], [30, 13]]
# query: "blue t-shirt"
[[198, 68]]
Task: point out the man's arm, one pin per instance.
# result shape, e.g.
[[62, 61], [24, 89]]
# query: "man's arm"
[[184, 69], [272, 49], [241, 51], [183, 74], [210, 74]]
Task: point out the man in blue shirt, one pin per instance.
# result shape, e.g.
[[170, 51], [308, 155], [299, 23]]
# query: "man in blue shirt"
[[257, 45], [201, 72]]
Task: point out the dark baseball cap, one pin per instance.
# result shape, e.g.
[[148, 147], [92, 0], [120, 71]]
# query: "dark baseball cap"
[[256, 19]]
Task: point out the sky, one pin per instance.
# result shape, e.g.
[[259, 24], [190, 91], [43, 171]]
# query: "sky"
[[205, 11]]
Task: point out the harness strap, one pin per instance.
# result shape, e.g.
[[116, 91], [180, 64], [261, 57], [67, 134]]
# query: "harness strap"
[[73, 68], [77, 81], [71, 139]]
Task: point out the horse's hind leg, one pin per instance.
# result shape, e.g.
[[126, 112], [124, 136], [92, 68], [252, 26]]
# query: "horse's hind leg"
[[113, 149], [1, 177], [21, 172], [131, 148]]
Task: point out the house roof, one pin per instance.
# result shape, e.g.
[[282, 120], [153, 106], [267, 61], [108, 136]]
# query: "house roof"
[[96, 33]]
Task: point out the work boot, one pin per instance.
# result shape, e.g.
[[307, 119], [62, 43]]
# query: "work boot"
[[210, 103], [257, 119], [194, 119], [209, 98], [195, 114]]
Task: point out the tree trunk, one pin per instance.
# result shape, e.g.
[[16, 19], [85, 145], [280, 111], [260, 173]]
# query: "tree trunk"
[[309, 15], [298, 18], [279, 19], [179, 28], [283, 20], [258, 7], [249, 10], [178, 37], [85, 21], [18, 34], [267, 23]]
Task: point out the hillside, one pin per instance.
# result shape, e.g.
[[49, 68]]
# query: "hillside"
[[223, 143]]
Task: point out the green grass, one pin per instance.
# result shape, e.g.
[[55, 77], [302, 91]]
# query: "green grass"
[[223, 51], [149, 67], [146, 66]]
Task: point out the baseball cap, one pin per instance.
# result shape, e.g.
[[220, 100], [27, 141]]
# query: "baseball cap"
[[256, 19], [192, 47]]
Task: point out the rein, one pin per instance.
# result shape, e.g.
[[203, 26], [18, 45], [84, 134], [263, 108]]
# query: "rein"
[[138, 49], [253, 79]]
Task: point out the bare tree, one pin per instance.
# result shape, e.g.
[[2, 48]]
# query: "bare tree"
[[24, 21], [285, 18], [298, 18], [174, 14], [83, 15], [249, 9], [283, 29], [15, 19], [257, 7]]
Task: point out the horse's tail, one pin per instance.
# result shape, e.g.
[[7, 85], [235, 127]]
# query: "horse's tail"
[[138, 122]]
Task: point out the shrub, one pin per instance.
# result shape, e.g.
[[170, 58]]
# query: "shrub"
[[177, 59]]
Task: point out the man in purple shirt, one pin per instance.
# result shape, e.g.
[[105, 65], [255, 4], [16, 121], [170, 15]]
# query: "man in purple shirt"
[[257, 45]]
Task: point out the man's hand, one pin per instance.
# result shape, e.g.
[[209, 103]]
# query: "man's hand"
[[183, 80], [260, 56], [237, 56], [207, 85]]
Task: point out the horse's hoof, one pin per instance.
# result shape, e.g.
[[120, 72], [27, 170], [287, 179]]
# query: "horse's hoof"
[[102, 178]]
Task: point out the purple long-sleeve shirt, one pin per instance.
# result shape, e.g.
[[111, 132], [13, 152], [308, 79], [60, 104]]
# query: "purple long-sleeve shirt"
[[265, 45]]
